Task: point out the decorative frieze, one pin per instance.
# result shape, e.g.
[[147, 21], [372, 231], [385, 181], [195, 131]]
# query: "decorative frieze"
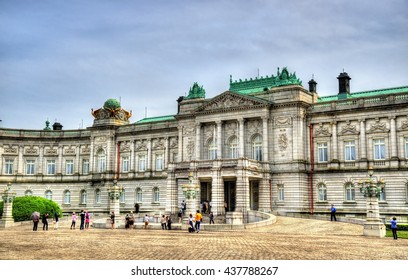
[[348, 129], [283, 142], [322, 131], [10, 150], [283, 121], [141, 145], [51, 151], [86, 150], [30, 151], [69, 151], [378, 126]]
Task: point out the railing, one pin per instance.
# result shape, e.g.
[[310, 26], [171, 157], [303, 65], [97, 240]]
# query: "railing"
[[45, 133]]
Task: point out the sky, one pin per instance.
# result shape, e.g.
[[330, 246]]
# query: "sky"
[[59, 59]]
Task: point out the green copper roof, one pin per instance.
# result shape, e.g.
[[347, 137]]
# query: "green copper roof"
[[283, 78], [111, 104], [370, 93], [156, 119], [196, 92]]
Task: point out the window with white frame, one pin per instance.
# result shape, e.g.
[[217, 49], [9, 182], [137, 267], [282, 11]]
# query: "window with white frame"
[[85, 166], [101, 161], [257, 148], [8, 167], [322, 152], [281, 192], [350, 192], [379, 149], [139, 195], [156, 195], [30, 167], [382, 196], [50, 167], [28, 193], [67, 197], [322, 189], [98, 196], [48, 194], [159, 162], [233, 147], [83, 197], [349, 150], [125, 164], [142, 162], [212, 149], [69, 167], [406, 147], [122, 197]]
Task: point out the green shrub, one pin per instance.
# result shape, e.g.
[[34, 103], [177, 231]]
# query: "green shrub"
[[24, 206], [400, 227]]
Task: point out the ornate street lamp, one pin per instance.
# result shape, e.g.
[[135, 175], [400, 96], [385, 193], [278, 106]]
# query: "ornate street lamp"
[[371, 188], [114, 193], [190, 191], [8, 197]]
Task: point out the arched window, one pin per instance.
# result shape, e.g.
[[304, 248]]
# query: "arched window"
[[83, 197], [98, 196], [233, 147], [101, 161], [122, 197], [322, 189], [212, 149], [28, 193], [139, 195], [156, 195], [67, 197], [48, 195], [257, 148], [350, 192]]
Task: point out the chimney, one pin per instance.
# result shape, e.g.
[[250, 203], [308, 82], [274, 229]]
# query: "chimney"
[[312, 86], [57, 126], [344, 83]]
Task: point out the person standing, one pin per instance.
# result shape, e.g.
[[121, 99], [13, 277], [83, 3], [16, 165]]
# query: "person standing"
[[183, 207], [36, 219], [56, 219], [82, 215], [137, 208], [112, 220], [198, 219], [131, 220], [146, 221], [190, 223], [179, 215], [163, 222], [45, 221], [333, 213], [212, 218], [393, 222], [73, 219], [87, 219], [169, 221]]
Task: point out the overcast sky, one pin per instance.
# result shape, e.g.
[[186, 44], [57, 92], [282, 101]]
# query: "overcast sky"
[[60, 59]]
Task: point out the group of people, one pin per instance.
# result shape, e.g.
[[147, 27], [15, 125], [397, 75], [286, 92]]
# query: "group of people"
[[129, 220], [35, 216], [85, 217], [165, 222]]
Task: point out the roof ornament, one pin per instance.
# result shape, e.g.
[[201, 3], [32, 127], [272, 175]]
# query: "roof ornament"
[[196, 92]]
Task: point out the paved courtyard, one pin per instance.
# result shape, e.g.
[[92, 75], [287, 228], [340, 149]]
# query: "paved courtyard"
[[288, 239]]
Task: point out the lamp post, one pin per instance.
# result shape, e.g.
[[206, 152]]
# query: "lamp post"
[[371, 188], [8, 197], [114, 193], [190, 191]]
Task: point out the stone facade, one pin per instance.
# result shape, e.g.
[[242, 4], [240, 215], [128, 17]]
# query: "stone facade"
[[258, 146]]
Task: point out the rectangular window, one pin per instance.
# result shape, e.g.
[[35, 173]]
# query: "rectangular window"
[[350, 192], [379, 149], [382, 196], [281, 192], [322, 150], [30, 167], [69, 167], [125, 164], [50, 167], [350, 150], [142, 163], [9, 167], [406, 148], [159, 162], [85, 166]]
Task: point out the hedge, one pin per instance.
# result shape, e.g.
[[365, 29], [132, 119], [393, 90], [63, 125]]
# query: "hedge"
[[24, 206], [401, 227]]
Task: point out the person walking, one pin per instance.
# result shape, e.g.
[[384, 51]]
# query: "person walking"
[[190, 223], [333, 213], [56, 219], [82, 215], [198, 219], [112, 220], [169, 221], [87, 219], [163, 222], [393, 222], [36, 219], [212, 218], [131, 220], [73, 219], [183, 207], [180, 216], [45, 221], [146, 221]]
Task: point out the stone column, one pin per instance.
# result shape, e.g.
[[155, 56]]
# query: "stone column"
[[92, 156], [180, 144], [363, 146], [59, 164], [265, 139], [198, 141], [20, 162], [166, 152], [172, 191], [241, 138], [132, 159], [217, 200], [40, 164], [219, 139], [77, 163], [8, 197], [335, 158], [393, 135], [149, 155]]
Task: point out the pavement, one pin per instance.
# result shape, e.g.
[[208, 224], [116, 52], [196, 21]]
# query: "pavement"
[[287, 239]]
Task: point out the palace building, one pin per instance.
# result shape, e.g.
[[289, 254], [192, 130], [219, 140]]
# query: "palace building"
[[266, 143]]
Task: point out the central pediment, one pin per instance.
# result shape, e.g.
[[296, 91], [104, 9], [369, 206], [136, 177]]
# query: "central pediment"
[[232, 101]]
